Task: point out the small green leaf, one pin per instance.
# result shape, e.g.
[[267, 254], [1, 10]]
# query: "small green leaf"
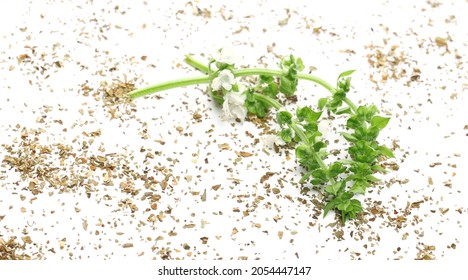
[[286, 135], [221, 66], [344, 84], [271, 90], [335, 188], [266, 79], [302, 151], [350, 210], [361, 111], [348, 207], [299, 64], [363, 153], [335, 103], [353, 122], [307, 114], [255, 106], [287, 86], [359, 186], [378, 168], [319, 145], [372, 110], [386, 151], [260, 110], [346, 73], [219, 99], [336, 169], [329, 206], [345, 196], [311, 129], [288, 82], [320, 174], [349, 137], [366, 112], [379, 122], [372, 178], [322, 102], [342, 111], [305, 177], [370, 134], [283, 117]]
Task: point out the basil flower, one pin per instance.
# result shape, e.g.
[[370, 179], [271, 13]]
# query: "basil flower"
[[224, 80], [226, 55], [234, 105]]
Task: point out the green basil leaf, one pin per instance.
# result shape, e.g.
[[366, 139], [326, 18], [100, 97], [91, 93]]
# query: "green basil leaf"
[[353, 122], [322, 102], [319, 145], [378, 168], [320, 175], [287, 86], [342, 111], [353, 207], [386, 151], [271, 90], [361, 169], [329, 206], [286, 135], [349, 137], [283, 117], [303, 151], [363, 153], [346, 73], [379, 122], [266, 79], [359, 187], [307, 114], [335, 188], [311, 130], [306, 176], [372, 178], [371, 134], [372, 110], [344, 84], [346, 196], [299, 64], [336, 169], [261, 110]]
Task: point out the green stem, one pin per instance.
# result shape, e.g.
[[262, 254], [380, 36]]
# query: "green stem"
[[270, 101], [316, 80], [350, 104], [304, 139], [190, 60], [169, 85], [278, 73]]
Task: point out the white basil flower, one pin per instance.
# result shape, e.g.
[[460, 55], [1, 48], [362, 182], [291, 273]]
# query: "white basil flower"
[[226, 55], [224, 80], [234, 105], [270, 140]]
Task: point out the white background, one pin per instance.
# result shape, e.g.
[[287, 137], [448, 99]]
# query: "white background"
[[428, 123]]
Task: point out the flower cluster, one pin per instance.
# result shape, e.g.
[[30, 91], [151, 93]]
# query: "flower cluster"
[[234, 106], [224, 80], [225, 85]]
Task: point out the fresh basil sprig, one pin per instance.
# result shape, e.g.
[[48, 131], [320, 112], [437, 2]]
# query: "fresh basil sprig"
[[340, 180]]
